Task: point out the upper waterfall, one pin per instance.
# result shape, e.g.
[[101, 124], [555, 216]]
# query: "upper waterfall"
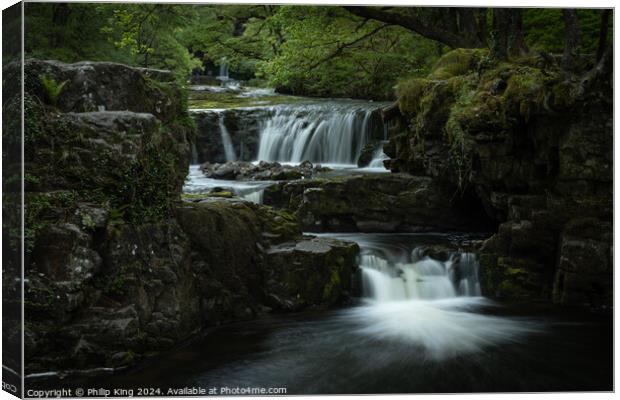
[[327, 132]]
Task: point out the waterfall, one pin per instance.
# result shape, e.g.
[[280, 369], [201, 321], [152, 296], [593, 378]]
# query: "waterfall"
[[255, 196], [320, 133], [223, 76], [469, 284], [421, 277], [229, 150], [378, 157]]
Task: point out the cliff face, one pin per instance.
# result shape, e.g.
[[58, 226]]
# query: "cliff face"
[[534, 146], [116, 265]]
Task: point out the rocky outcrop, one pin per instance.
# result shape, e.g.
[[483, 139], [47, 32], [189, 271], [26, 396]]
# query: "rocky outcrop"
[[374, 203], [261, 171], [117, 266], [104, 86], [534, 148]]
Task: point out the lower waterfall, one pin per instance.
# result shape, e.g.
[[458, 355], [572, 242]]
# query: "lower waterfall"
[[408, 296], [421, 278]]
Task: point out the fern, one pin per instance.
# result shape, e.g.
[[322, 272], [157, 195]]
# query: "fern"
[[52, 88]]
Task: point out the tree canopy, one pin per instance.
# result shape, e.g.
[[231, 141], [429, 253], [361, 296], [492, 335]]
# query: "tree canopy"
[[312, 50]]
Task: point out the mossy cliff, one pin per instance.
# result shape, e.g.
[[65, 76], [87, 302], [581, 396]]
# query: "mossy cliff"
[[534, 145], [117, 266]]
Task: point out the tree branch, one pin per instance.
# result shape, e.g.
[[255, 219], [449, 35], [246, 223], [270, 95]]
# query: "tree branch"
[[343, 46], [412, 23]]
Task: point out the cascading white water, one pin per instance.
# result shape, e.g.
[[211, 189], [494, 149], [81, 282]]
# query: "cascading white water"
[[229, 150], [332, 133], [421, 278], [255, 196], [433, 306], [223, 76], [378, 157]]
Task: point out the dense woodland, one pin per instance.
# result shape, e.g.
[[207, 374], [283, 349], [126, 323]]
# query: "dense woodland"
[[357, 52]]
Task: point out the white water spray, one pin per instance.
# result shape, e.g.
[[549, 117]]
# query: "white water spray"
[[431, 305]]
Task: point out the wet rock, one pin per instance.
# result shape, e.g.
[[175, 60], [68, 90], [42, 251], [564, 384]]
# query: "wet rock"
[[309, 272], [585, 263], [367, 154], [370, 203], [263, 171]]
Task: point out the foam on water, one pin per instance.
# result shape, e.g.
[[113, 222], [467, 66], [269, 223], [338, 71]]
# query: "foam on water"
[[423, 302]]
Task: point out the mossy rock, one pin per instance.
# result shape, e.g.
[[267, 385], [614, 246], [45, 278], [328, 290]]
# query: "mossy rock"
[[457, 62]]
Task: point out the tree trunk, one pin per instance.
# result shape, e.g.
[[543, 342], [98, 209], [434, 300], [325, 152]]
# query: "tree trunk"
[[572, 40], [482, 26], [602, 35], [60, 17], [507, 38]]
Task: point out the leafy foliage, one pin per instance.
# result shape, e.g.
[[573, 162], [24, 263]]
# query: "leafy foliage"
[[306, 50], [52, 88]]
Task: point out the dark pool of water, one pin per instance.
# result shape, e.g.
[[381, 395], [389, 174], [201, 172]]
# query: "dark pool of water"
[[326, 353]]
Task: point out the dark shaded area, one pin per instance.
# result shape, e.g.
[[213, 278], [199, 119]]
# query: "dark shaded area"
[[12, 209], [570, 354]]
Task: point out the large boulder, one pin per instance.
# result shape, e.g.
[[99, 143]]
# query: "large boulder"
[[103, 86], [248, 257], [309, 272], [373, 203]]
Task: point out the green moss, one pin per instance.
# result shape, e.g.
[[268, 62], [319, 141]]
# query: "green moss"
[[113, 286], [409, 93], [457, 62], [526, 88], [225, 194], [331, 289], [209, 100]]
